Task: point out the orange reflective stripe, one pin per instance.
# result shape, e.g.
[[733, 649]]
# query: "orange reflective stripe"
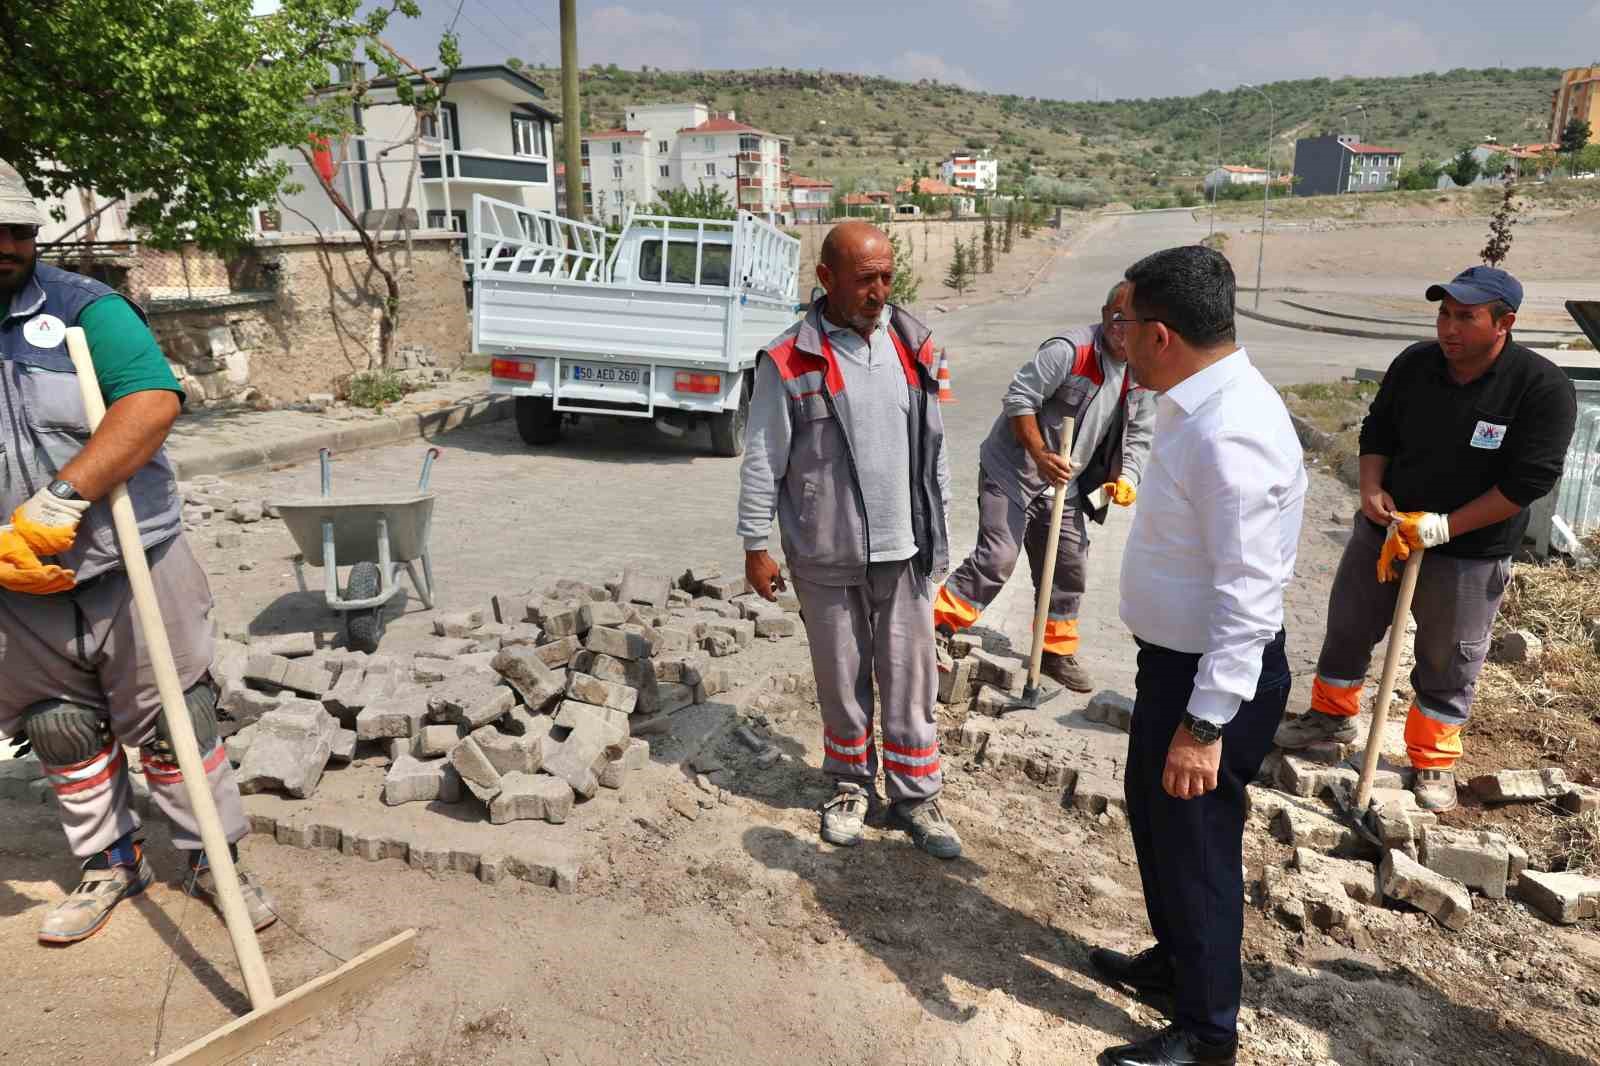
[[1432, 744], [1061, 636], [1341, 701], [953, 611]]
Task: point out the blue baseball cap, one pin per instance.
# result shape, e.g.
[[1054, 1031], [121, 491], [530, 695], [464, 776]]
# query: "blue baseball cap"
[[1480, 285]]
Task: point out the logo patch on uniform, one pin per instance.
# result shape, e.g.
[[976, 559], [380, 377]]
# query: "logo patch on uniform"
[[44, 331], [1488, 435]]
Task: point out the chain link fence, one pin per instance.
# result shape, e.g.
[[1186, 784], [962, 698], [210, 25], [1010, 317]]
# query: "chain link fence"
[[143, 274]]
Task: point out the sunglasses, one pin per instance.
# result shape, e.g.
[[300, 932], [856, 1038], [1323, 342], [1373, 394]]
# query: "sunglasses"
[[19, 232]]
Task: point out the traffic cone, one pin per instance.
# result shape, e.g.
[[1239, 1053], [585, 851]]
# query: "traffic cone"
[[946, 394]]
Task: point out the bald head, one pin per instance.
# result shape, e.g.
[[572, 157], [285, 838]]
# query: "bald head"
[[857, 269]]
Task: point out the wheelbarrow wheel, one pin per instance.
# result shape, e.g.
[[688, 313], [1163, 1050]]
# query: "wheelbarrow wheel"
[[538, 421], [363, 629]]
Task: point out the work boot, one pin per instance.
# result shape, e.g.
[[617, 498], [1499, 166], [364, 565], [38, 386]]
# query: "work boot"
[[1148, 971], [928, 827], [108, 878], [941, 638], [1066, 671], [1314, 727], [844, 817], [1435, 790], [201, 883]]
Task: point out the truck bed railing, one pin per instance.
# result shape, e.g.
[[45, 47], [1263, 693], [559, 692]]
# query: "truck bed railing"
[[510, 239]]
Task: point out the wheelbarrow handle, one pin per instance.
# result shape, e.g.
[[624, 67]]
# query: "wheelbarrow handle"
[[427, 469], [325, 458]]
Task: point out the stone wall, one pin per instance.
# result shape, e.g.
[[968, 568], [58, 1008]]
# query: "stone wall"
[[304, 314]]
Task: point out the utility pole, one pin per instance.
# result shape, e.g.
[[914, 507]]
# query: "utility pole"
[[1266, 194], [1216, 179], [571, 123]]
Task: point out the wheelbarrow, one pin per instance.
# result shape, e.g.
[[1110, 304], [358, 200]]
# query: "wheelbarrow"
[[374, 536]]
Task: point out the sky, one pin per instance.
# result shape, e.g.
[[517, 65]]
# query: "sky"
[[1048, 48]]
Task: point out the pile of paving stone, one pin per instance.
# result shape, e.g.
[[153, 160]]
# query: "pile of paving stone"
[[529, 705]]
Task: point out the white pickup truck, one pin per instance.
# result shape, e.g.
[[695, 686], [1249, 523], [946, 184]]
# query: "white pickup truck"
[[662, 322]]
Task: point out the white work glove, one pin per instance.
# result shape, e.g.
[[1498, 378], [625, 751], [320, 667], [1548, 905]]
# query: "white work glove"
[[1411, 531], [52, 512]]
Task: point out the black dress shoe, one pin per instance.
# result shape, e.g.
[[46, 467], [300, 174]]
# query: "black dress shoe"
[[1171, 1047], [1149, 971]]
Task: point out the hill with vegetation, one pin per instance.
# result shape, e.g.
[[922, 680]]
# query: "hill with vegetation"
[[870, 132]]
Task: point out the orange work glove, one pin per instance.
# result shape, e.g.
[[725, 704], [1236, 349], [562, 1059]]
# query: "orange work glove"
[[1120, 492], [21, 570], [48, 523], [1410, 531]]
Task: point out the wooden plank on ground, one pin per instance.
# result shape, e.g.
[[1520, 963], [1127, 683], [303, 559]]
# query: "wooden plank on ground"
[[243, 1035]]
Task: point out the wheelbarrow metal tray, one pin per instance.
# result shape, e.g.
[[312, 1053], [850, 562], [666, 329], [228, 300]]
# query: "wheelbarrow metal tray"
[[355, 525]]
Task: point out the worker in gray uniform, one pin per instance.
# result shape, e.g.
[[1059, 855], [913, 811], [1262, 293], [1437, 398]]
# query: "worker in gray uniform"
[[78, 684], [846, 444]]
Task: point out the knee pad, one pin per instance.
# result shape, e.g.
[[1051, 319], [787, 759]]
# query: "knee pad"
[[64, 734], [201, 701]]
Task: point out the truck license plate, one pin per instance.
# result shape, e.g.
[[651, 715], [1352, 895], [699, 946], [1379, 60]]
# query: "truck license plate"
[[621, 375]]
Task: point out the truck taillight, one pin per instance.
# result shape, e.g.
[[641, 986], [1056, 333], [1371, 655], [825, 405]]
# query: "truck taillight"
[[683, 381], [512, 369]]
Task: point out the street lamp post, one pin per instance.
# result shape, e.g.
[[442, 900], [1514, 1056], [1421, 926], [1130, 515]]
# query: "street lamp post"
[[1215, 179], [1266, 193], [1344, 115]]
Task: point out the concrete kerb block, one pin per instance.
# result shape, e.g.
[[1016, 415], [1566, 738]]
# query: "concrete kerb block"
[[618, 643], [1479, 859], [290, 750], [1563, 898], [1403, 878], [1512, 786], [609, 694]]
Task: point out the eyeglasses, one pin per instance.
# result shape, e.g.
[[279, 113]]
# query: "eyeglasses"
[[1119, 322], [20, 232]]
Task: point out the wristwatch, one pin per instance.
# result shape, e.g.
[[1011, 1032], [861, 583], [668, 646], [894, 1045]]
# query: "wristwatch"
[[1203, 731], [63, 490]]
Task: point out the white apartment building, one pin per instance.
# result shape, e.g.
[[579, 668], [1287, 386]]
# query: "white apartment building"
[[498, 139], [813, 198], [980, 173], [684, 146]]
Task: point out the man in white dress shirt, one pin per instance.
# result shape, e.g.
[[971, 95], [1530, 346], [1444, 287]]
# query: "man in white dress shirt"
[[1212, 546]]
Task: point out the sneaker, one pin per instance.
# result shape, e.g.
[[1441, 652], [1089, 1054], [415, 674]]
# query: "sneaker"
[[928, 827], [87, 909], [844, 817], [1435, 790], [1315, 727], [1066, 671], [202, 884]]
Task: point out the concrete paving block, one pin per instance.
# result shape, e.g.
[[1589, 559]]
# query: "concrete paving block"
[[1563, 898], [247, 705], [559, 621], [675, 640], [1479, 859], [531, 797], [239, 743], [521, 722], [433, 741], [680, 669], [509, 754], [343, 748], [1511, 786], [399, 717], [290, 750], [1094, 792], [446, 648], [1002, 671], [1580, 799], [606, 613], [1303, 827], [696, 575], [1403, 878], [288, 645], [578, 761], [771, 624], [993, 702], [673, 697], [964, 644], [474, 766], [529, 675], [470, 700], [604, 726], [724, 588], [643, 587], [955, 682], [608, 694], [617, 643], [742, 630], [720, 644], [716, 607], [519, 634], [458, 623], [246, 512], [1112, 708], [263, 669], [559, 652]]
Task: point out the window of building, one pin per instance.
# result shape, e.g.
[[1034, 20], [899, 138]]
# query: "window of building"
[[711, 170], [661, 146], [616, 147], [666, 171], [711, 144], [586, 175], [583, 149], [1373, 177], [617, 196], [616, 171], [527, 136], [749, 144]]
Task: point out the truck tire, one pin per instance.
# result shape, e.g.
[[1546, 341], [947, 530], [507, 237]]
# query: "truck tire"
[[537, 420], [363, 629], [727, 427]]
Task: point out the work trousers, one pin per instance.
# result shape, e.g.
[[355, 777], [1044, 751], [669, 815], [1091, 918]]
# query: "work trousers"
[[1455, 605], [1005, 529], [883, 630], [1190, 851], [85, 647]]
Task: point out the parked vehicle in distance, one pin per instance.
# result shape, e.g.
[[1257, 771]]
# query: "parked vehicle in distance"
[[661, 322]]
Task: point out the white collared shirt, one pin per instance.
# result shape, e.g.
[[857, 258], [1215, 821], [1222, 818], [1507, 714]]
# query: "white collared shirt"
[[1216, 531]]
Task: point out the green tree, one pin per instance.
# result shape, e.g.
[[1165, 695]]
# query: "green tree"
[[702, 202], [974, 257], [906, 283], [988, 240], [960, 272], [1495, 166], [1424, 175], [1573, 138], [1463, 169], [1587, 161], [1011, 227], [1027, 217]]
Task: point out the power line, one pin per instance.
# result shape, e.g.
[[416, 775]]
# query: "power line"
[[525, 38]]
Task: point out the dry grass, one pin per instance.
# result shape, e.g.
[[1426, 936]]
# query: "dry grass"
[[1563, 843]]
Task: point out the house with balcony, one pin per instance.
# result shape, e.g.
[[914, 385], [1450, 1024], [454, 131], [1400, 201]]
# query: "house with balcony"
[[975, 173], [812, 198], [493, 134], [1339, 163]]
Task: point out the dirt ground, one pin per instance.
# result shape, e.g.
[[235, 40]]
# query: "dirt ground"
[[737, 937]]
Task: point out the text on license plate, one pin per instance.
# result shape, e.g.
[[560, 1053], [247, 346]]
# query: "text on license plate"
[[622, 375]]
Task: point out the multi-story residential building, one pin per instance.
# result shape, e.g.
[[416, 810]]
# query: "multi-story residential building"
[[1234, 175], [492, 134], [1336, 163], [812, 198], [685, 146], [1576, 98], [978, 173]]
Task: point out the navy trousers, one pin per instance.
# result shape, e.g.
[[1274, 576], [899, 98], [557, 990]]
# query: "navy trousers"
[[1190, 851]]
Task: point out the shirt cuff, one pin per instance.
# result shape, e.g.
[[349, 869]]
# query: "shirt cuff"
[[755, 544], [1212, 706]]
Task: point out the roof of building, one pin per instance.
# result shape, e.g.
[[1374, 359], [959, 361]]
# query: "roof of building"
[[504, 82], [724, 125], [809, 183], [1231, 169], [933, 187], [1372, 149], [613, 135]]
